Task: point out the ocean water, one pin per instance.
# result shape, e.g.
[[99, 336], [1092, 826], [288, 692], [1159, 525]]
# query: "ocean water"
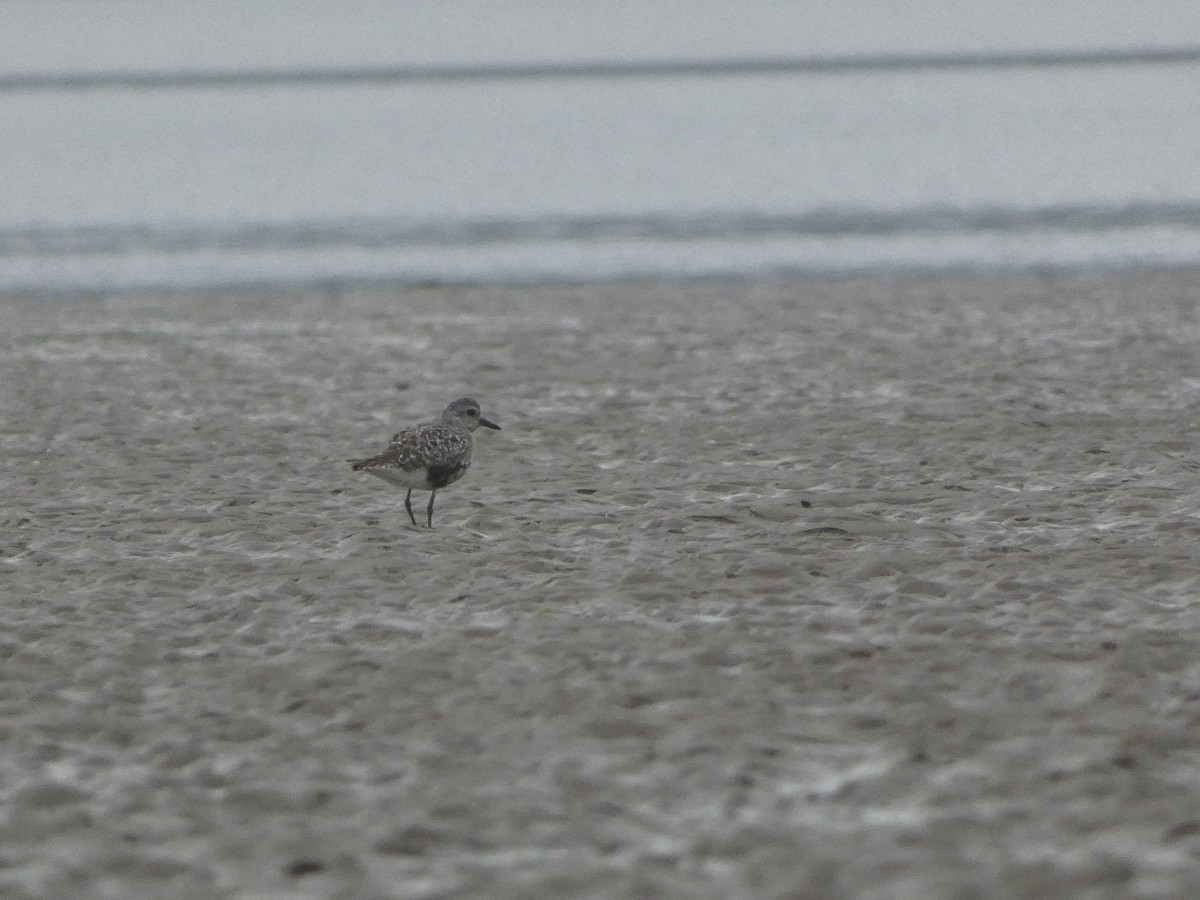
[[151, 144]]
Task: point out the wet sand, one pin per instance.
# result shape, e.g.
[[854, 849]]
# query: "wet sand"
[[874, 588]]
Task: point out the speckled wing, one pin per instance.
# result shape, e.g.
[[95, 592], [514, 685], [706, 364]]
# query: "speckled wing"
[[423, 447]]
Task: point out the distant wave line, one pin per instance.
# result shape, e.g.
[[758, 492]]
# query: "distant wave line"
[[121, 239], [595, 69]]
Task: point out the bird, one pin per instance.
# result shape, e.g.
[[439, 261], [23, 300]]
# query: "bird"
[[430, 455]]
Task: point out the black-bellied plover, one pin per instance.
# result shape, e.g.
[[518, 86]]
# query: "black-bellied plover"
[[431, 455]]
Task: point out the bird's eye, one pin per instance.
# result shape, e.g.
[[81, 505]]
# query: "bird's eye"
[[472, 412]]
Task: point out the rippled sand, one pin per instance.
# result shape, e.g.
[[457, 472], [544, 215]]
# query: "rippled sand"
[[851, 589]]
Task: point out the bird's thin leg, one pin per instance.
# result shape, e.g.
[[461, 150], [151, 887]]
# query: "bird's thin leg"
[[429, 509], [408, 506]]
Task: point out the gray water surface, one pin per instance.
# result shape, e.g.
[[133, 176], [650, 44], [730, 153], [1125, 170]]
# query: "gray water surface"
[[268, 143]]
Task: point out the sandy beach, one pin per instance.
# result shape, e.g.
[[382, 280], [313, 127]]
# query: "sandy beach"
[[859, 588]]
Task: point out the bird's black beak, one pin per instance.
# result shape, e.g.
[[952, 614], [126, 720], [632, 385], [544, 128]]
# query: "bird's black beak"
[[486, 424]]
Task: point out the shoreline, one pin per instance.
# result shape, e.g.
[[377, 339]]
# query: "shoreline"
[[385, 284], [389, 285]]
